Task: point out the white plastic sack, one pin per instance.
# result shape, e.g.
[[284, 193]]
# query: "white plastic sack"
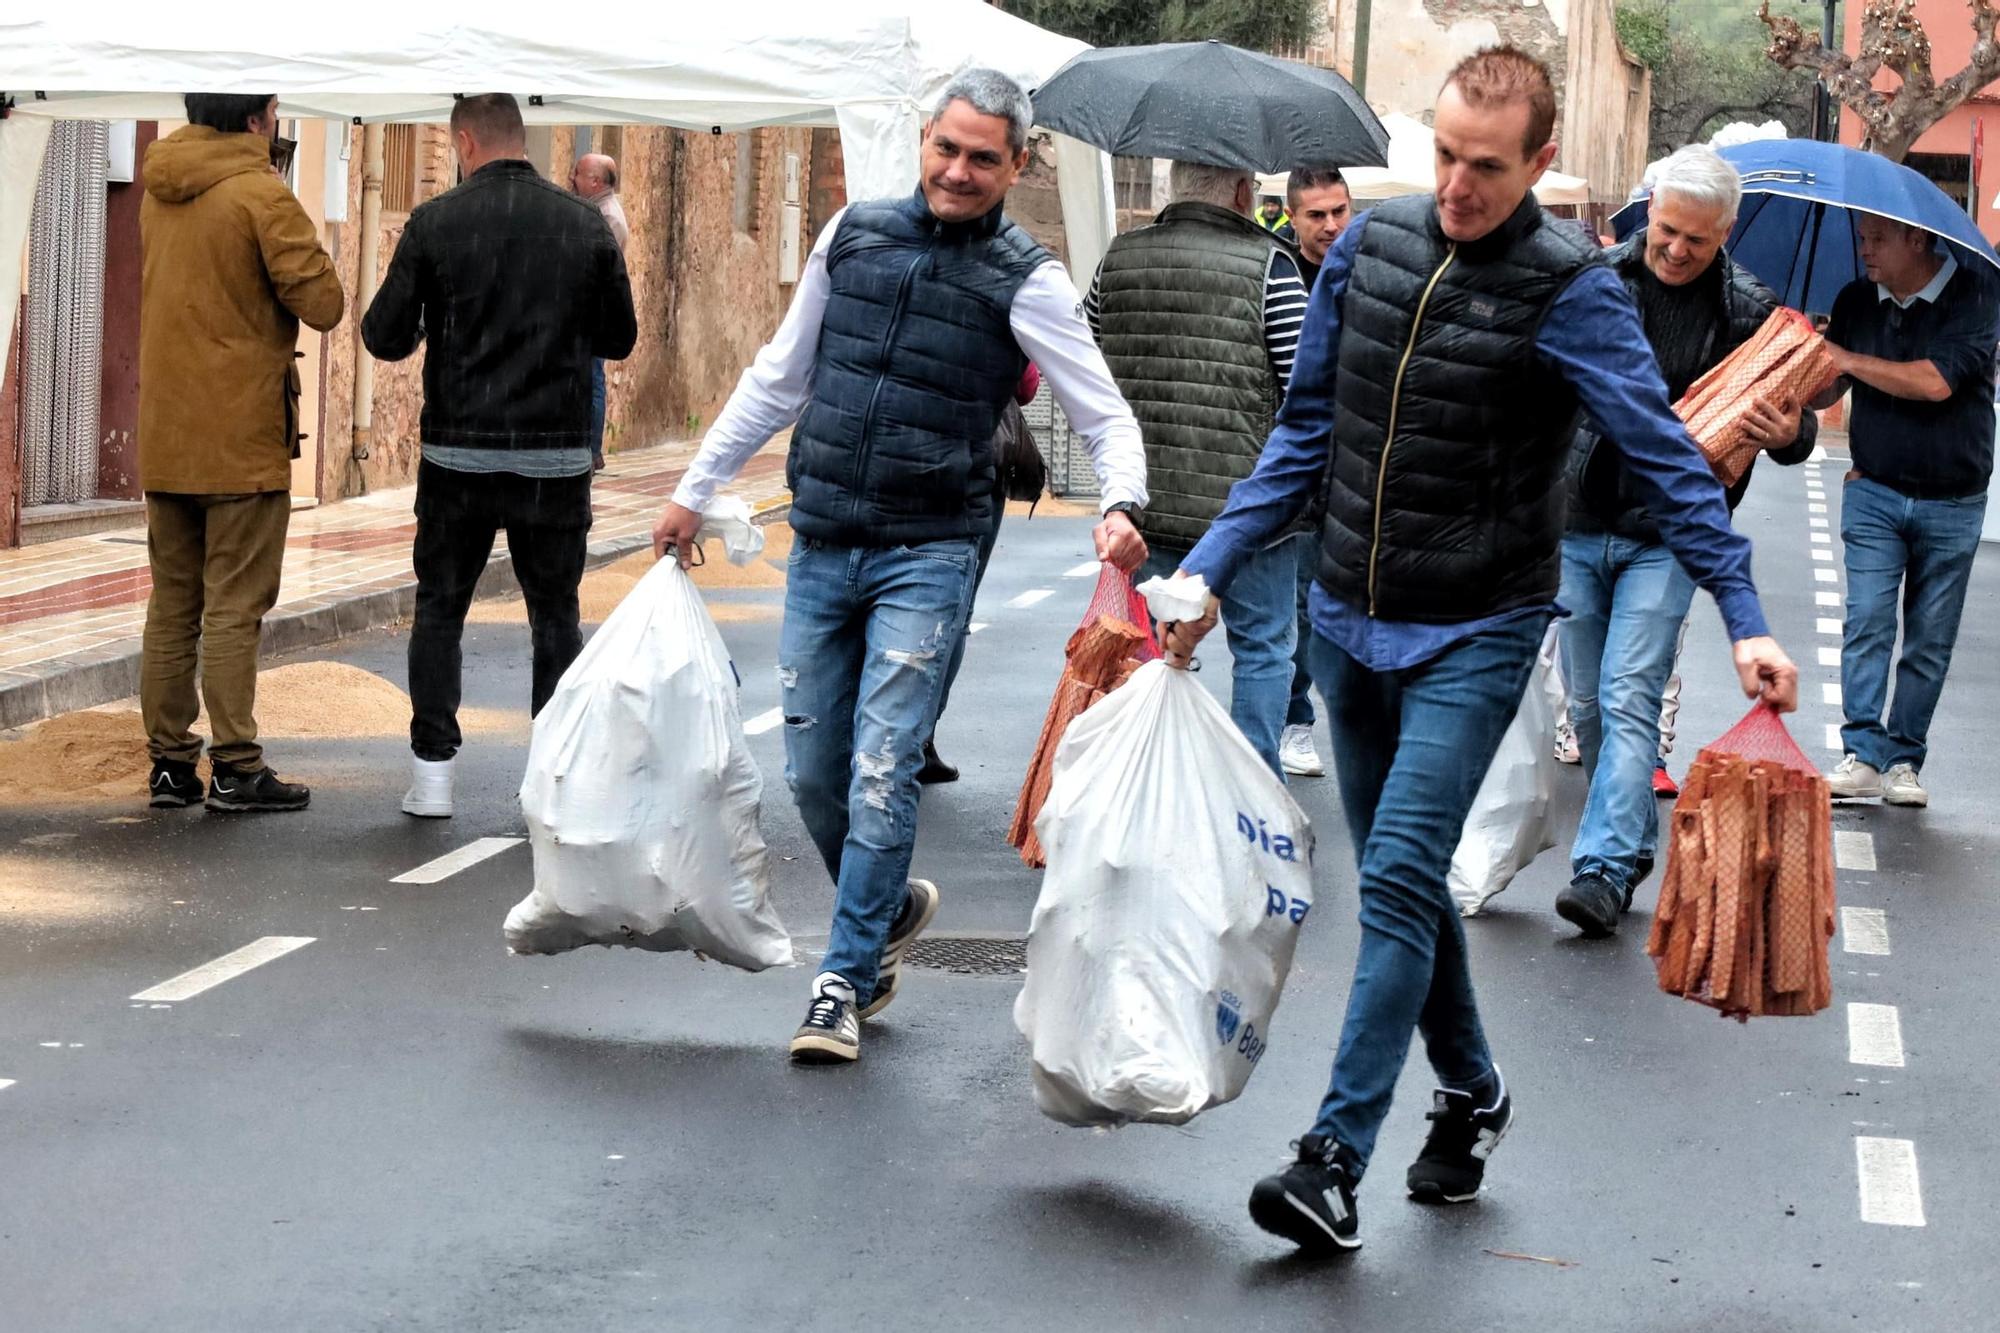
[[1508, 825], [641, 796], [1179, 871]]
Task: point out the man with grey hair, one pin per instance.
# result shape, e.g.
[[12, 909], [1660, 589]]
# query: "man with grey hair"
[[908, 333], [1199, 316], [594, 179], [1626, 594]]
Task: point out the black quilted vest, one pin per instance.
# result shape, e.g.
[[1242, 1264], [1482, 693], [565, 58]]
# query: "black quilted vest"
[[916, 360], [1445, 491]]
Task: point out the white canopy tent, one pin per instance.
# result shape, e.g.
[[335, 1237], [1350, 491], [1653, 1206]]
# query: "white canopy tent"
[[1412, 170], [870, 68]]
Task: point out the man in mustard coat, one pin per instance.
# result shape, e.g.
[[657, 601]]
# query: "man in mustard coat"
[[231, 265]]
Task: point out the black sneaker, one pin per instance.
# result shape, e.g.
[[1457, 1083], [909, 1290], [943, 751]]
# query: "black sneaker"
[[831, 1034], [1642, 868], [1592, 904], [1462, 1137], [174, 785], [230, 790], [919, 910], [935, 770], [1311, 1202]]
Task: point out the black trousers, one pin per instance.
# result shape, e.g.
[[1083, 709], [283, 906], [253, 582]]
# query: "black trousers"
[[547, 522]]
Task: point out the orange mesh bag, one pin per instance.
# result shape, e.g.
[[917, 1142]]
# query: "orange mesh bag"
[[1747, 901], [1784, 361], [1115, 638]]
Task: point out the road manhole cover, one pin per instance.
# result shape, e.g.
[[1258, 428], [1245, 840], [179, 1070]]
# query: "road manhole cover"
[[972, 955]]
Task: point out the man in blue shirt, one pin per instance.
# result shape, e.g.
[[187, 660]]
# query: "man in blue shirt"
[[1915, 340], [1448, 346]]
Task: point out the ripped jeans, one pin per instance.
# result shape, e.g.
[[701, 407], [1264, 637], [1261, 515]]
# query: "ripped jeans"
[[861, 665]]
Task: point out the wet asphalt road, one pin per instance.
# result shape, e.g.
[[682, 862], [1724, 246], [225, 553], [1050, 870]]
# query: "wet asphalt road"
[[401, 1126]]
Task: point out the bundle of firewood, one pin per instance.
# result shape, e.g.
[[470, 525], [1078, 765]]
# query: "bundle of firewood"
[[1746, 910], [1784, 361], [1103, 653]]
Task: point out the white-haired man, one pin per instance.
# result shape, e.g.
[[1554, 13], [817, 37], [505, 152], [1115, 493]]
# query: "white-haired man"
[[1626, 594], [1199, 317], [909, 332]]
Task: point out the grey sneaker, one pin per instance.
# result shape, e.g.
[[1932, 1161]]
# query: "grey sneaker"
[[1566, 747], [831, 1033], [1297, 755], [1900, 787], [1851, 780], [919, 910]]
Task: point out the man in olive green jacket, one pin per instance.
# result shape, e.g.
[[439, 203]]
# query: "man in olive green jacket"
[[230, 266]]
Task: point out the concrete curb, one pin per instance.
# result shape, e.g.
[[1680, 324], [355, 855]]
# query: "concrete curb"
[[89, 679]]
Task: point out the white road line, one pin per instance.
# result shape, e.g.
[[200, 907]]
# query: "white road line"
[[1864, 930], [1816, 522], [763, 722], [1820, 537], [430, 872], [1815, 494], [232, 964], [1829, 693], [1815, 509], [1833, 740], [1853, 849], [1821, 554], [1087, 570], [1828, 625], [1030, 598], [1829, 656], [1891, 1194], [975, 627], [1825, 575], [6, 1083], [1874, 1035], [1826, 598]]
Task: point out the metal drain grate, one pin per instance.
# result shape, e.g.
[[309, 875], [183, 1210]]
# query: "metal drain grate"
[[998, 956]]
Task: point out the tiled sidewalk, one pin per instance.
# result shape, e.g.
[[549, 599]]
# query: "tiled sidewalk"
[[71, 611]]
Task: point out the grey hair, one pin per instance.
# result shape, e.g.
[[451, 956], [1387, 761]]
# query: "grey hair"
[[1198, 182], [1701, 176], [991, 93]]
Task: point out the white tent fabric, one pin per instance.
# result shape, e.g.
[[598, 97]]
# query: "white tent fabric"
[[869, 67], [1411, 170]]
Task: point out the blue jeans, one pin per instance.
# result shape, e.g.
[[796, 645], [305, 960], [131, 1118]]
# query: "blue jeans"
[[1258, 617], [861, 663], [1924, 550], [1299, 713], [597, 411], [1626, 601], [1410, 749]]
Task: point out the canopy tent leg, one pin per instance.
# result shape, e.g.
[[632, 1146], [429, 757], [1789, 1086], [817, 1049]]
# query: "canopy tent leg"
[[23, 141], [1083, 182]]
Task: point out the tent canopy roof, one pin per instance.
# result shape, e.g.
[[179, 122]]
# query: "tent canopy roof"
[[1410, 170]]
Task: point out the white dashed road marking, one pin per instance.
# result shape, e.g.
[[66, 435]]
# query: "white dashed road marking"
[[1820, 537], [231, 965], [6, 1083], [1891, 1194], [763, 722], [430, 872], [1815, 509], [975, 627], [1030, 598], [1833, 737], [1864, 930], [1828, 625], [1874, 1036], [1816, 522], [1853, 849], [1829, 656], [1825, 575], [1825, 598], [1829, 693], [1819, 554], [1087, 570]]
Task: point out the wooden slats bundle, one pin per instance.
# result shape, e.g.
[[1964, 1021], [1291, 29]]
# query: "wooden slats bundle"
[[1785, 361]]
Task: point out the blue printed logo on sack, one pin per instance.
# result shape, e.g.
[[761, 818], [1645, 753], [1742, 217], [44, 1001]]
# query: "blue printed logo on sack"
[[1227, 1016], [1257, 834]]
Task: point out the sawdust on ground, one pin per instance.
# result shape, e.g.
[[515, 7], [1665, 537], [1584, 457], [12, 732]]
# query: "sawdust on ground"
[[1050, 506], [605, 587]]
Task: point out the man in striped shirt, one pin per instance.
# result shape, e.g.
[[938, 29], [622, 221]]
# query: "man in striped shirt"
[[1199, 317]]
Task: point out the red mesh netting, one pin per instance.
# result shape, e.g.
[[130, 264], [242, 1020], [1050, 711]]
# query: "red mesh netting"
[[1115, 638], [1747, 905]]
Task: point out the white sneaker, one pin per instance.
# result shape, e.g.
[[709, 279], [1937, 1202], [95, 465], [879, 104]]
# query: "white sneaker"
[[1297, 755], [1852, 778], [1566, 750], [430, 789], [1900, 787]]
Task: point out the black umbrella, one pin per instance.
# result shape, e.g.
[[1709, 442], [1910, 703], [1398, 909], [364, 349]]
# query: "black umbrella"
[[1212, 102]]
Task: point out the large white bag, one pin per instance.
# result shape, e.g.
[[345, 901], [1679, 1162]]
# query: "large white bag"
[[641, 796], [1508, 825], [1179, 870]]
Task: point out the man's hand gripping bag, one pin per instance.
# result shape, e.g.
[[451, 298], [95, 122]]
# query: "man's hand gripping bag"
[[641, 796], [1179, 872]]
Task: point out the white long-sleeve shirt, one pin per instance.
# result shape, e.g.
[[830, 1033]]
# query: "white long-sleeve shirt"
[[1047, 322]]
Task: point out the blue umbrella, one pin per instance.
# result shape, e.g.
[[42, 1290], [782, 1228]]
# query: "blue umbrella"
[[1801, 201]]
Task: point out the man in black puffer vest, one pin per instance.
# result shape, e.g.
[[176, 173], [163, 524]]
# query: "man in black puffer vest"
[[1449, 344], [908, 334], [1626, 595]]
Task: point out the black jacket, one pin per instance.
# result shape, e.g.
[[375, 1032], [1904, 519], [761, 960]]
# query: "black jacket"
[[916, 359], [515, 285], [1725, 308], [1444, 495]]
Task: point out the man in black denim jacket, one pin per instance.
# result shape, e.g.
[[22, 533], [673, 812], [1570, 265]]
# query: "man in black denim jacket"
[[515, 284]]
